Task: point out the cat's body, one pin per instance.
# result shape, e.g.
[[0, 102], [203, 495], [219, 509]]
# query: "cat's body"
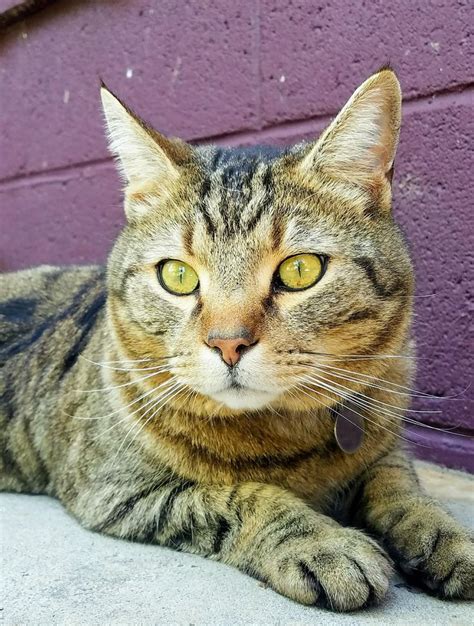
[[202, 422]]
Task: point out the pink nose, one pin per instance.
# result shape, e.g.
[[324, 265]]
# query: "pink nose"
[[231, 349]]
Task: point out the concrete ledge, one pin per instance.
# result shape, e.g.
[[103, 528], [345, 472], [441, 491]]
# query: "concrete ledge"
[[55, 572]]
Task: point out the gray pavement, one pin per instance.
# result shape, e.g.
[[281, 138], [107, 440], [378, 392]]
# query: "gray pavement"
[[55, 572]]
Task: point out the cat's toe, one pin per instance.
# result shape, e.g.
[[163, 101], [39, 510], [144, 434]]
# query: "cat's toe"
[[344, 572], [434, 553]]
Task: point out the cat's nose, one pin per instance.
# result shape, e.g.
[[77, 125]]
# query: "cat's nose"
[[231, 348]]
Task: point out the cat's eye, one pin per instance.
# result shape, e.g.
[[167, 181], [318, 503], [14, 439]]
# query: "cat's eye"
[[300, 271], [178, 277]]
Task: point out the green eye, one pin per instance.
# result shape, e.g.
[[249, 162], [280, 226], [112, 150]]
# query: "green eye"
[[301, 271], [178, 277]]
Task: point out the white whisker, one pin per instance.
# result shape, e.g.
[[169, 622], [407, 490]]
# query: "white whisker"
[[123, 369], [164, 399], [132, 382], [78, 417], [344, 396]]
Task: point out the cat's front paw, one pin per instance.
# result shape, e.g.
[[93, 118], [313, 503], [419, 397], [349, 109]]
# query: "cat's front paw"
[[433, 550], [341, 569]]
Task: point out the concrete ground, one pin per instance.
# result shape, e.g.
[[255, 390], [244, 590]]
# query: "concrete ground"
[[55, 572]]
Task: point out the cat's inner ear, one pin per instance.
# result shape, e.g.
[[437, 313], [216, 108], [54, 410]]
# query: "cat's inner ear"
[[146, 158], [360, 144]]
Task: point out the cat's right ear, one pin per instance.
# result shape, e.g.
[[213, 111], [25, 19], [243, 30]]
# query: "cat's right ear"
[[145, 157]]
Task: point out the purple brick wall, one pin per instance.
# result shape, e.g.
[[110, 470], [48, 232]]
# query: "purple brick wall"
[[246, 72]]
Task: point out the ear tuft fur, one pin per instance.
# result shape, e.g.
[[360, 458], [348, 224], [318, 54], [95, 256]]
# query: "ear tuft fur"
[[360, 144], [143, 154]]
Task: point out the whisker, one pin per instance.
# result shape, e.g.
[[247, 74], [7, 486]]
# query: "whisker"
[[147, 393], [359, 393], [369, 402], [373, 402], [383, 412], [364, 416], [358, 357], [119, 361], [164, 399], [129, 415], [361, 415], [323, 368], [122, 369], [132, 382], [415, 393]]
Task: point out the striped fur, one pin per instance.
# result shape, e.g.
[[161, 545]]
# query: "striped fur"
[[111, 401]]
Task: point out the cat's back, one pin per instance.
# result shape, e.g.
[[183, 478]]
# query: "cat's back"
[[36, 301]]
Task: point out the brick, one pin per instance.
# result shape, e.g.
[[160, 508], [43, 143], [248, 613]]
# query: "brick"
[[60, 219], [313, 54], [190, 70]]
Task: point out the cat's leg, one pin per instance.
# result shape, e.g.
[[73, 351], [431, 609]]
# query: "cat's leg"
[[431, 547], [261, 529]]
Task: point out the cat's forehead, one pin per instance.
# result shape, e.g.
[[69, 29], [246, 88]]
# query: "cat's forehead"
[[238, 161], [246, 205], [248, 201]]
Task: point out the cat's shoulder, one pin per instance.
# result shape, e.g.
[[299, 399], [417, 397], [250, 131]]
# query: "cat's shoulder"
[[30, 297], [44, 281]]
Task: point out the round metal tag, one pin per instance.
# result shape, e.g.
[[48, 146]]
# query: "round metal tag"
[[349, 428]]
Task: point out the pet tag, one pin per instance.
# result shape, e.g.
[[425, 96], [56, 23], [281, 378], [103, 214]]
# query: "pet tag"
[[349, 428]]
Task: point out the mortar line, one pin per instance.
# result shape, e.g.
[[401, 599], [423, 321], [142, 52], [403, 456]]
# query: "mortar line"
[[436, 100]]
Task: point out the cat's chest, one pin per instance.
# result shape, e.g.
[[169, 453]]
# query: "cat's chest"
[[312, 466]]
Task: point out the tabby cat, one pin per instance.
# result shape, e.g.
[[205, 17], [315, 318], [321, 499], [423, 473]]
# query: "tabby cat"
[[194, 394]]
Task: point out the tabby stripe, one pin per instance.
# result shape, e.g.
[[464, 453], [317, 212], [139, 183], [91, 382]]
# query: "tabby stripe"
[[323, 450], [230, 503], [201, 206], [253, 499], [87, 321], [126, 507], [381, 290], [149, 532], [382, 466], [228, 174], [266, 202], [129, 273], [222, 532], [12, 466], [168, 502], [397, 517], [361, 314], [7, 398], [51, 322], [215, 159], [436, 540], [41, 470], [387, 333], [18, 310], [292, 534], [446, 578], [288, 522]]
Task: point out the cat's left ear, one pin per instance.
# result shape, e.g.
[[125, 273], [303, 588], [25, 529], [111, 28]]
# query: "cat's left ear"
[[360, 144], [145, 157]]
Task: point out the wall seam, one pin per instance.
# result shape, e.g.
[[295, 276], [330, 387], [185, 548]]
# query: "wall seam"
[[438, 99]]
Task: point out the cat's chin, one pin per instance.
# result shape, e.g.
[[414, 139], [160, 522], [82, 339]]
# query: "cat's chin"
[[244, 399]]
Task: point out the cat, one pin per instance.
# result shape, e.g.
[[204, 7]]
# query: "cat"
[[196, 393]]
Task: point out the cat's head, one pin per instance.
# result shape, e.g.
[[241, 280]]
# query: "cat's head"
[[242, 271]]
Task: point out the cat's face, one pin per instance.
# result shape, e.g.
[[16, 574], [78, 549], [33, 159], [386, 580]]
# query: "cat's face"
[[241, 270]]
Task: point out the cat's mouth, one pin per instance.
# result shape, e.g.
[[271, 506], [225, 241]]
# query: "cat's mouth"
[[240, 397]]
